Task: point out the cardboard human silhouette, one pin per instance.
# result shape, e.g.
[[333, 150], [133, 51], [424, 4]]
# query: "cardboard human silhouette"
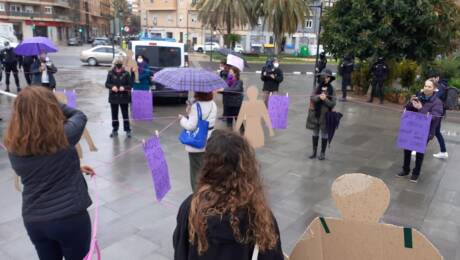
[[62, 98], [131, 64], [252, 112], [362, 201]]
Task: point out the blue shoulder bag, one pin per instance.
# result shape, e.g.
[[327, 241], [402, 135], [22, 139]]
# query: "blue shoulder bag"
[[198, 137]]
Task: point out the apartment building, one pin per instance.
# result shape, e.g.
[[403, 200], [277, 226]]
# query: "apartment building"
[[57, 19], [179, 20], [134, 6]]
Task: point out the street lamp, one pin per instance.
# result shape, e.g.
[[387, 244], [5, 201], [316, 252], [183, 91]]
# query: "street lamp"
[[317, 39]]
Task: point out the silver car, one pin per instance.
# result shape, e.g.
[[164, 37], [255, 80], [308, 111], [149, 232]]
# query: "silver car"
[[100, 55]]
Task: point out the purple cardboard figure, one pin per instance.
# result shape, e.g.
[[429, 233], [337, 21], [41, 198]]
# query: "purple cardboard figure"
[[142, 105], [278, 108], [158, 167]]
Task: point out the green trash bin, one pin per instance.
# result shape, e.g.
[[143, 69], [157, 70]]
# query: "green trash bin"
[[304, 52]]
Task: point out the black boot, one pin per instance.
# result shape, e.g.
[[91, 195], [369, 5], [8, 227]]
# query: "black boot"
[[315, 147], [7, 89], [322, 155]]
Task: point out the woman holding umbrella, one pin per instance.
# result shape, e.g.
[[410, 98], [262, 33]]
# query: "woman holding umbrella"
[[322, 101], [202, 83]]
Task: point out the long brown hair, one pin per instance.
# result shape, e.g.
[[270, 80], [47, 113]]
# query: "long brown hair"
[[37, 124], [229, 181]]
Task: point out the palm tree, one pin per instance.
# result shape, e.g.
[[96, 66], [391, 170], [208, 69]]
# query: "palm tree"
[[282, 16], [228, 14]]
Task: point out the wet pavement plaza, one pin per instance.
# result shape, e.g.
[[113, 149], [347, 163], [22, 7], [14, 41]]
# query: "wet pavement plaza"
[[133, 225]]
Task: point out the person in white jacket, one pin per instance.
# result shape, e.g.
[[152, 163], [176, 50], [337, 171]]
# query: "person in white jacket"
[[190, 122]]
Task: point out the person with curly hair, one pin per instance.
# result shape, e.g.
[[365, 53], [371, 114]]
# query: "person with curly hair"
[[228, 215]]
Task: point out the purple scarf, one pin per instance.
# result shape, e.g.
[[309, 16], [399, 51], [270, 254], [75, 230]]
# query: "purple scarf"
[[230, 80]]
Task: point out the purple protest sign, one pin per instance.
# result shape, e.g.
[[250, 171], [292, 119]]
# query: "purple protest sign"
[[71, 98], [278, 108], [142, 105], [413, 131], [158, 167]]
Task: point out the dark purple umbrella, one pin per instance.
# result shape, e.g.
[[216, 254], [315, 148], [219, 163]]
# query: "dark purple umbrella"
[[34, 46], [189, 79], [332, 123]]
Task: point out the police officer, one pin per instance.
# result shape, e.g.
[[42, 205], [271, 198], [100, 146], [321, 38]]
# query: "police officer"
[[379, 72], [345, 69], [11, 61], [321, 63]]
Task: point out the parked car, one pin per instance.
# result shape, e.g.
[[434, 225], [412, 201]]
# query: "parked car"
[[208, 46], [90, 40], [100, 55], [101, 41], [239, 48], [74, 42]]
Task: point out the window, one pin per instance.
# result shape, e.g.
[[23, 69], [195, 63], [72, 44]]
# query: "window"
[[181, 19], [154, 18], [2, 7], [29, 9], [16, 8], [151, 1], [194, 18], [169, 35], [161, 57], [48, 10], [101, 50], [170, 19], [309, 23]]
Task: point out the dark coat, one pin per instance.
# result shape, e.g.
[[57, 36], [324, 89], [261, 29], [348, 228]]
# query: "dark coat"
[[322, 62], [54, 186], [346, 68], [37, 74], [379, 71], [271, 84], [28, 61], [9, 58], [432, 105], [122, 79], [222, 243], [315, 123], [233, 95]]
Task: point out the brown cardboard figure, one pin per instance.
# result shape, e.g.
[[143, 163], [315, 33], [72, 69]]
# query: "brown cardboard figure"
[[362, 201], [62, 98], [130, 64], [252, 111]]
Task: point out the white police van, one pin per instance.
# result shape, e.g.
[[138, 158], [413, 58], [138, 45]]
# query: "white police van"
[[160, 54]]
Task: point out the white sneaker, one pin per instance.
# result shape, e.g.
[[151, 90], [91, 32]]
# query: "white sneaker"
[[414, 153], [441, 155]]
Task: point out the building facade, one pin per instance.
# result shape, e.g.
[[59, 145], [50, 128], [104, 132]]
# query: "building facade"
[[179, 20], [56, 19]]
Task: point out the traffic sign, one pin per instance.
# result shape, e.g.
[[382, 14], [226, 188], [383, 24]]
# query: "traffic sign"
[[126, 29]]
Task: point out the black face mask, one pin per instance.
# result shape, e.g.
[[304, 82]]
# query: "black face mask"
[[118, 66]]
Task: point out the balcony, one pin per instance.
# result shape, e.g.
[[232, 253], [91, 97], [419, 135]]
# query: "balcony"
[[161, 5], [38, 15]]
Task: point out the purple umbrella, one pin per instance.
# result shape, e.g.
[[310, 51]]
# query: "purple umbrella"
[[34, 46], [189, 79]]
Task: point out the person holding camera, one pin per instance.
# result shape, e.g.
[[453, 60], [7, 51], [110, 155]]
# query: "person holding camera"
[[272, 76], [43, 72], [425, 103]]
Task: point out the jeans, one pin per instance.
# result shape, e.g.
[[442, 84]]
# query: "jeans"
[[125, 114], [68, 237], [418, 162], [196, 159], [440, 138]]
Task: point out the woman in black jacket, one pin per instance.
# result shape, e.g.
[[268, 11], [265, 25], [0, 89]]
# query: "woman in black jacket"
[[119, 84], [232, 96], [41, 149], [228, 215]]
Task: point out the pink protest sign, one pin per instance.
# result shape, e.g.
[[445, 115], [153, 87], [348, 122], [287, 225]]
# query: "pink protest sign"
[[142, 105], [413, 131], [278, 108], [158, 167]]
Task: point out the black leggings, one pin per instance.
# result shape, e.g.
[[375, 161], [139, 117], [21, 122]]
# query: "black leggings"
[[124, 112], [68, 237]]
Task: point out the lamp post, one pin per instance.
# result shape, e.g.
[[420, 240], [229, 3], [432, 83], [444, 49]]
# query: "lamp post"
[[317, 39]]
